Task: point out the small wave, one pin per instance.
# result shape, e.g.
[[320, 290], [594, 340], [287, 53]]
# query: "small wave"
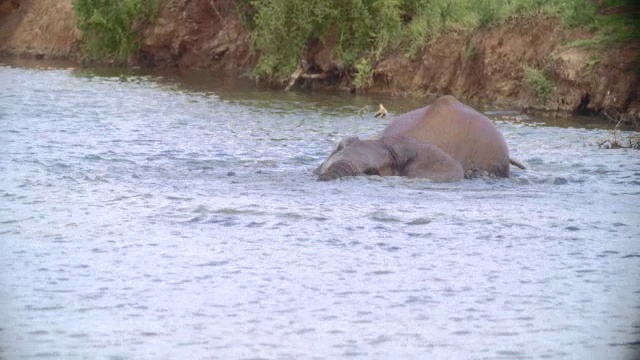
[[95, 178], [419, 221], [178, 198], [92, 157], [382, 216], [259, 163], [234, 211], [123, 198], [214, 263], [15, 221], [631, 344], [48, 354], [44, 308], [549, 179], [380, 272]]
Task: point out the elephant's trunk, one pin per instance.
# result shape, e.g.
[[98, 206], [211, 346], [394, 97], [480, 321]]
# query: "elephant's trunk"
[[337, 170]]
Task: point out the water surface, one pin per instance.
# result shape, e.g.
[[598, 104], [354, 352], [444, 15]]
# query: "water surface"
[[157, 217]]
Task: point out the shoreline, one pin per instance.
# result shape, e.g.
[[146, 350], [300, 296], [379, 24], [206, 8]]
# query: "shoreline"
[[495, 66]]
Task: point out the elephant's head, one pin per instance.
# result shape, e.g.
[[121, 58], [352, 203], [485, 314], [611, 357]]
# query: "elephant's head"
[[402, 156], [353, 157]]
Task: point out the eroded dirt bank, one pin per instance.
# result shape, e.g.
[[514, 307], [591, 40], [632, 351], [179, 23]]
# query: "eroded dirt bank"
[[484, 67], [488, 67], [39, 29]]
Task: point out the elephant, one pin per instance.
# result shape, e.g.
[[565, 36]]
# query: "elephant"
[[445, 141]]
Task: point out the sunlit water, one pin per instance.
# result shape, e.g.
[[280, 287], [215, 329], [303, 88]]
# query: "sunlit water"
[[144, 218]]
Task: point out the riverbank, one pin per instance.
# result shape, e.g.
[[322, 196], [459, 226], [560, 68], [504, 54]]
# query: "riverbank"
[[535, 63]]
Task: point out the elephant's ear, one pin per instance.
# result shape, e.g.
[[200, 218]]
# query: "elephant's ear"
[[344, 143], [341, 145], [420, 159]]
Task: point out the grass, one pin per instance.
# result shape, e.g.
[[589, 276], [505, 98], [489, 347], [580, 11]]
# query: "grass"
[[541, 86], [588, 44], [592, 61], [470, 51]]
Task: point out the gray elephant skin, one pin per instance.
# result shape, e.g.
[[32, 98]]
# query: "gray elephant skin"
[[445, 141]]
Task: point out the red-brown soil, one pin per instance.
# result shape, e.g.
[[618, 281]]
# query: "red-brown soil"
[[39, 29]]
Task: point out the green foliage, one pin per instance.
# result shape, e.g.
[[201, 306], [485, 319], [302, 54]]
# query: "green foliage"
[[578, 13], [584, 44], [106, 25], [428, 18], [488, 12], [592, 61], [538, 82], [367, 29], [284, 27], [618, 28], [470, 51], [364, 73]]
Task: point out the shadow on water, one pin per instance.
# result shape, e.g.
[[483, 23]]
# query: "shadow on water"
[[232, 88], [242, 88]]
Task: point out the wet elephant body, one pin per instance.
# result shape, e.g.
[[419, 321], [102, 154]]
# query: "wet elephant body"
[[445, 141]]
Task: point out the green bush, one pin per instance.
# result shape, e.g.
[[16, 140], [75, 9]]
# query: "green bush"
[[284, 27], [364, 73], [106, 25], [366, 29], [541, 86], [363, 30]]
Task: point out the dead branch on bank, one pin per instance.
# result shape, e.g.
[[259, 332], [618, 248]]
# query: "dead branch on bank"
[[301, 69], [301, 73], [617, 141]]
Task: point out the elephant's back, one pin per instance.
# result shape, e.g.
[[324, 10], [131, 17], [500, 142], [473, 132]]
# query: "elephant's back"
[[445, 116], [459, 130]]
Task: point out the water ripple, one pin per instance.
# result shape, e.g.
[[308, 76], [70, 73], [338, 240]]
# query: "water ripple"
[[149, 217]]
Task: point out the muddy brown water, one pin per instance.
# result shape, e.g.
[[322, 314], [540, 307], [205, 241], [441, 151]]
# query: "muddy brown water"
[[164, 217]]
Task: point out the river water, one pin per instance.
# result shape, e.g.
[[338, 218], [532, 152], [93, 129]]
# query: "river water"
[[159, 217]]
